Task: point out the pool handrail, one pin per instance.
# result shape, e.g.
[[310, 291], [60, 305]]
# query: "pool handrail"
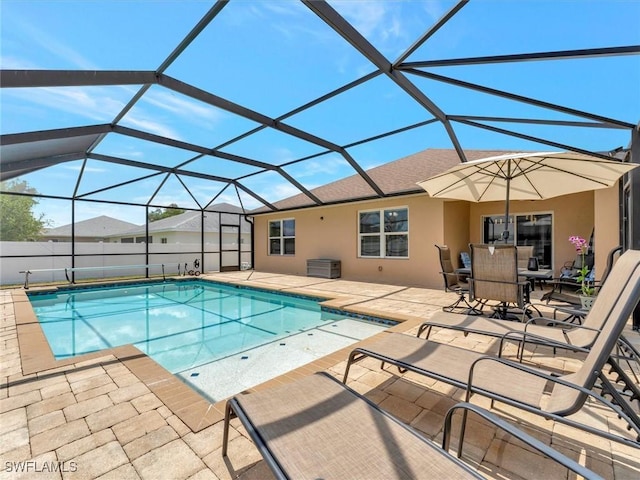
[[77, 269]]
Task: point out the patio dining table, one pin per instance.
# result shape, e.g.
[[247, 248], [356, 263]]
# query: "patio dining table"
[[530, 275]]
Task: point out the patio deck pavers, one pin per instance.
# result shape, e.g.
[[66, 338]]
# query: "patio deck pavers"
[[117, 414]]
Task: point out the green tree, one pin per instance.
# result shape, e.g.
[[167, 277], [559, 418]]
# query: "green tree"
[[18, 222], [160, 213]]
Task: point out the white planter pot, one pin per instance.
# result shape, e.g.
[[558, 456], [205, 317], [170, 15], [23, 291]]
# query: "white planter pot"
[[586, 301]]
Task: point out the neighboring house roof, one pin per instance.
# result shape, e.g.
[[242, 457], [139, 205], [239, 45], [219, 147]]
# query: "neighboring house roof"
[[190, 221], [394, 178], [108, 227], [102, 226]]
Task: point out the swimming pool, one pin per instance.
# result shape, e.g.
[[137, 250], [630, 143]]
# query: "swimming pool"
[[185, 325]]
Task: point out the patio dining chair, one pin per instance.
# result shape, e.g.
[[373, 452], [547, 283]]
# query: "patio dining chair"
[[317, 427], [494, 277], [531, 389], [540, 330], [524, 253], [453, 283]]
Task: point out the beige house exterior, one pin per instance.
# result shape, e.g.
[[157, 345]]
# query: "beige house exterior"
[[331, 231]]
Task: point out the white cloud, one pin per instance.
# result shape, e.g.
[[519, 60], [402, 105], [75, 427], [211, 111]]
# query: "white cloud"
[[87, 210], [284, 8], [229, 196], [127, 152], [12, 63], [282, 190], [367, 17], [182, 106], [328, 165], [282, 155], [78, 167], [248, 12], [435, 9], [97, 104], [248, 202], [182, 199], [188, 110], [272, 191], [52, 45], [390, 26], [139, 121], [394, 28]]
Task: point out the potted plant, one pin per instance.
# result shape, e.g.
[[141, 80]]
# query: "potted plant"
[[586, 290]]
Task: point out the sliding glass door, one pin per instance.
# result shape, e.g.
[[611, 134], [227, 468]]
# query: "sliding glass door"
[[526, 229]]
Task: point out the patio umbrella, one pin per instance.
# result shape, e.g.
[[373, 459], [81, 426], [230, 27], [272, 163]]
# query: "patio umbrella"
[[525, 176]]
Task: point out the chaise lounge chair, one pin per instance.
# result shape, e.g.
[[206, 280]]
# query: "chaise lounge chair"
[[319, 428], [518, 385]]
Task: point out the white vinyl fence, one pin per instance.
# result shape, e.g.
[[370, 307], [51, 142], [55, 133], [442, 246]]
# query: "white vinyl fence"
[[54, 257]]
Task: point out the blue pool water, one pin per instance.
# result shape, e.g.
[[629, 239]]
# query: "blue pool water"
[[181, 325]]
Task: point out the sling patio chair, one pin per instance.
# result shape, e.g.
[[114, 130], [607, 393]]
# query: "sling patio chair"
[[524, 253], [494, 277], [541, 330], [513, 383], [453, 283], [317, 427], [571, 286]]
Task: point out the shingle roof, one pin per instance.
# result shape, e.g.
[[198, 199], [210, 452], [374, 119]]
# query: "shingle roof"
[[190, 221], [105, 226], [394, 178], [101, 226]]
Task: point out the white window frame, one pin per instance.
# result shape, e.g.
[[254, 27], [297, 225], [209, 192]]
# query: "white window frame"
[[282, 237], [382, 234]]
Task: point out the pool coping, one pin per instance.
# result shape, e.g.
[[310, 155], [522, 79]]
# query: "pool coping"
[[184, 401]]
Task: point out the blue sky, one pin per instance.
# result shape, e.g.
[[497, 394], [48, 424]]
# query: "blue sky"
[[273, 56]]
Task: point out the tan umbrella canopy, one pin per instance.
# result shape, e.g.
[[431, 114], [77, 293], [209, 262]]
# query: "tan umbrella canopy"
[[525, 176]]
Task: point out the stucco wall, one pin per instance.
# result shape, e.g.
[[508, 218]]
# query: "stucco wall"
[[456, 228], [332, 232], [607, 219], [572, 215]]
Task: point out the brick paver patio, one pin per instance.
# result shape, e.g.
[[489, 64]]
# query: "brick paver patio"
[[118, 415]]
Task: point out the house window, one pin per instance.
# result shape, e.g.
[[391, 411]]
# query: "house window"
[[282, 237], [525, 229], [127, 240], [384, 233], [163, 240]]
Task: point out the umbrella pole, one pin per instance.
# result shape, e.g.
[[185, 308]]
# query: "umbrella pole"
[[505, 234]]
